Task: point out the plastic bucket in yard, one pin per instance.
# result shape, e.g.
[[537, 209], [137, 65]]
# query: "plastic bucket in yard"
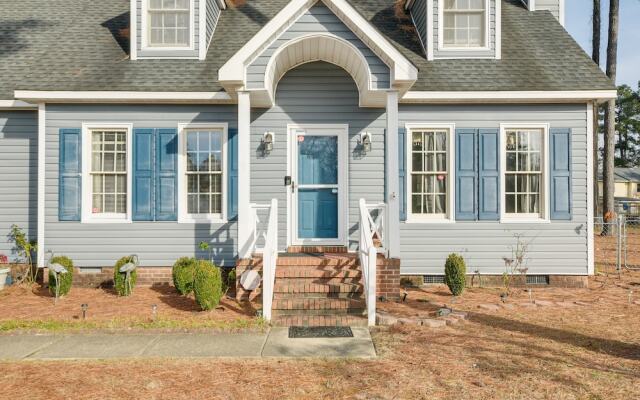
[[4, 277]]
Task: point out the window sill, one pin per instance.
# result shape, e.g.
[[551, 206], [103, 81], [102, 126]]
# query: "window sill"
[[202, 220], [524, 221], [106, 221], [427, 221]]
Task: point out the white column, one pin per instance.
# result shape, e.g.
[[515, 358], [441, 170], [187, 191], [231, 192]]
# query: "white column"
[[392, 172], [41, 183], [245, 222]]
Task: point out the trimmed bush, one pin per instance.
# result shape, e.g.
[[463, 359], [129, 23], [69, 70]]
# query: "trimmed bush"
[[183, 273], [207, 285], [119, 279], [455, 274], [65, 281]]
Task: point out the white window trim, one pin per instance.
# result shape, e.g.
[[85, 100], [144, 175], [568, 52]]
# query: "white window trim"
[[144, 29], [543, 217], [487, 30], [451, 187], [183, 216], [87, 189]]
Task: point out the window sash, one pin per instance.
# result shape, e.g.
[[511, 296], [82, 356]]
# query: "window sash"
[[524, 176], [169, 24], [461, 32], [204, 155], [108, 171], [429, 172]]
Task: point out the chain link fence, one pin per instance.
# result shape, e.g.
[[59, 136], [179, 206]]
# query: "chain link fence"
[[617, 244]]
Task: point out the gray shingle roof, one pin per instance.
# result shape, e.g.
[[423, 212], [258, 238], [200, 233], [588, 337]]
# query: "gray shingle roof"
[[83, 45], [625, 174]]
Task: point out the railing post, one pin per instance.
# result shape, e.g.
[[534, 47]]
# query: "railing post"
[[371, 286]]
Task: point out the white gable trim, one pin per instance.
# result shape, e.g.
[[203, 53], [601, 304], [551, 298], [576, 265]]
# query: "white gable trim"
[[233, 77], [36, 96], [508, 96]]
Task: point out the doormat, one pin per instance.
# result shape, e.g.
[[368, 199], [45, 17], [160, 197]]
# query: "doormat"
[[308, 332]]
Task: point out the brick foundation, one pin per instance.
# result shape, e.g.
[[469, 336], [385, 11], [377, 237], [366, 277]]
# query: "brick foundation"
[[242, 266], [388, 277], [147, 276], [493, 281]]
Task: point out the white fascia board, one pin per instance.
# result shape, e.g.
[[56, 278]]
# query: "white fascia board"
[[122, 97], [506, 96], [133, 31], [17, 105]]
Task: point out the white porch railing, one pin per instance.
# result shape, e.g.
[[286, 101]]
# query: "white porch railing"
[[370, 228], [269, 252]]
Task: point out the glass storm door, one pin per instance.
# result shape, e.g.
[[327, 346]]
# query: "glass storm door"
[[317, 192]]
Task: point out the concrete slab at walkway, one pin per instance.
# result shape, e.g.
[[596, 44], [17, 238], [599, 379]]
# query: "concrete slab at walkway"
[[274, 343], [14, 347], [359, 346], [197, 346]]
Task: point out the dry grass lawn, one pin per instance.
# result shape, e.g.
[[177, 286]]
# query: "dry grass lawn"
[[583, 352]]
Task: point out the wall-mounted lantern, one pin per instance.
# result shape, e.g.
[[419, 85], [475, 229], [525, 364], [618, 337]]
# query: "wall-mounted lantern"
[[268, 139], [365, 142]]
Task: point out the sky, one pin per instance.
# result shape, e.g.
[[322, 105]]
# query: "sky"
[[578, 23]]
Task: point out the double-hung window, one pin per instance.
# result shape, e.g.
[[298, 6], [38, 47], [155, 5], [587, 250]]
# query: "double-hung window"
[[107, 173], [464, 23], [430, 173], [524, 173], [169, 23], [203, 173]]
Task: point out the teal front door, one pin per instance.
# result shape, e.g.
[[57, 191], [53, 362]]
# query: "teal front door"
[[317, 186]]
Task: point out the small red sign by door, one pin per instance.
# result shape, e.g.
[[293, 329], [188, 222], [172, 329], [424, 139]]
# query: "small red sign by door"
[[300, 138]]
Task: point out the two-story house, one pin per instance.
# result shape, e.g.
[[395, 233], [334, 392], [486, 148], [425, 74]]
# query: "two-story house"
[[351, 142]]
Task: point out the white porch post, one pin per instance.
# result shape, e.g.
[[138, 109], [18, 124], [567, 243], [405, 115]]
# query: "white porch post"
[[392, 172], [244, 175], [41, 183]]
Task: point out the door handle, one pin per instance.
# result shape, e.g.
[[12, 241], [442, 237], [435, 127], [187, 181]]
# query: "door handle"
[[293, 187]]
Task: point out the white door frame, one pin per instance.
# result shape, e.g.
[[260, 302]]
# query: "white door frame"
[[342, 132]]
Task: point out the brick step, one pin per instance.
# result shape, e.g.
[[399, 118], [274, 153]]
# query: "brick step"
[[317, 272], [317, 249], [317, 303], [316, 295], [319, 260], [346, 311], [314, 286], [319, 320]]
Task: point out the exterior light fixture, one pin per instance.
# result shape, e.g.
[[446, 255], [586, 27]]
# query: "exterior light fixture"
[[84, 308], [365, 142], [268, 139]]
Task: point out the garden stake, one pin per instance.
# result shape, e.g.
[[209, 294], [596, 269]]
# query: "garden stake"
[[84, 307], [530, 296], [154, 312], [630, 296]]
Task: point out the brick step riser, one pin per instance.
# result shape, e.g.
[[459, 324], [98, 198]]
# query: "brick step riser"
[[317, 304], [298, 320], [334, 295], [353, 312], [310, 274], [304, 281], [315, 288]]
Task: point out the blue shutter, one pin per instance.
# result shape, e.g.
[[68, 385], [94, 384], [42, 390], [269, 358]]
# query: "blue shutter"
[[560, 170], [232, 172], [402, 169], [489, 175], [143, 171], [166, 205], [70, 175], [466, 174]]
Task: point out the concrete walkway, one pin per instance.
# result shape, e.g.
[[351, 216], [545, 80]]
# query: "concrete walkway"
[[273, 343]]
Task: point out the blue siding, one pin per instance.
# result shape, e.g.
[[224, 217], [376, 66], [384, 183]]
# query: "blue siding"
[[157, 243], [419, 15], [18, 176], [319, 19]]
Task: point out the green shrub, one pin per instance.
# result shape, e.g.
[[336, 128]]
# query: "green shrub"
[[119, 279], [64, 280], [455, 274], [183, 272], [231, 280], [207, 285]]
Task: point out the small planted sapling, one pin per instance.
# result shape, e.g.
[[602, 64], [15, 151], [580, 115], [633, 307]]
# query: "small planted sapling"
[[25, 249], [516, 264]]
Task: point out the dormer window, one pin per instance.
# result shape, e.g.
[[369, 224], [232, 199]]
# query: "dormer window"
[[169, 23], [464, 23]]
